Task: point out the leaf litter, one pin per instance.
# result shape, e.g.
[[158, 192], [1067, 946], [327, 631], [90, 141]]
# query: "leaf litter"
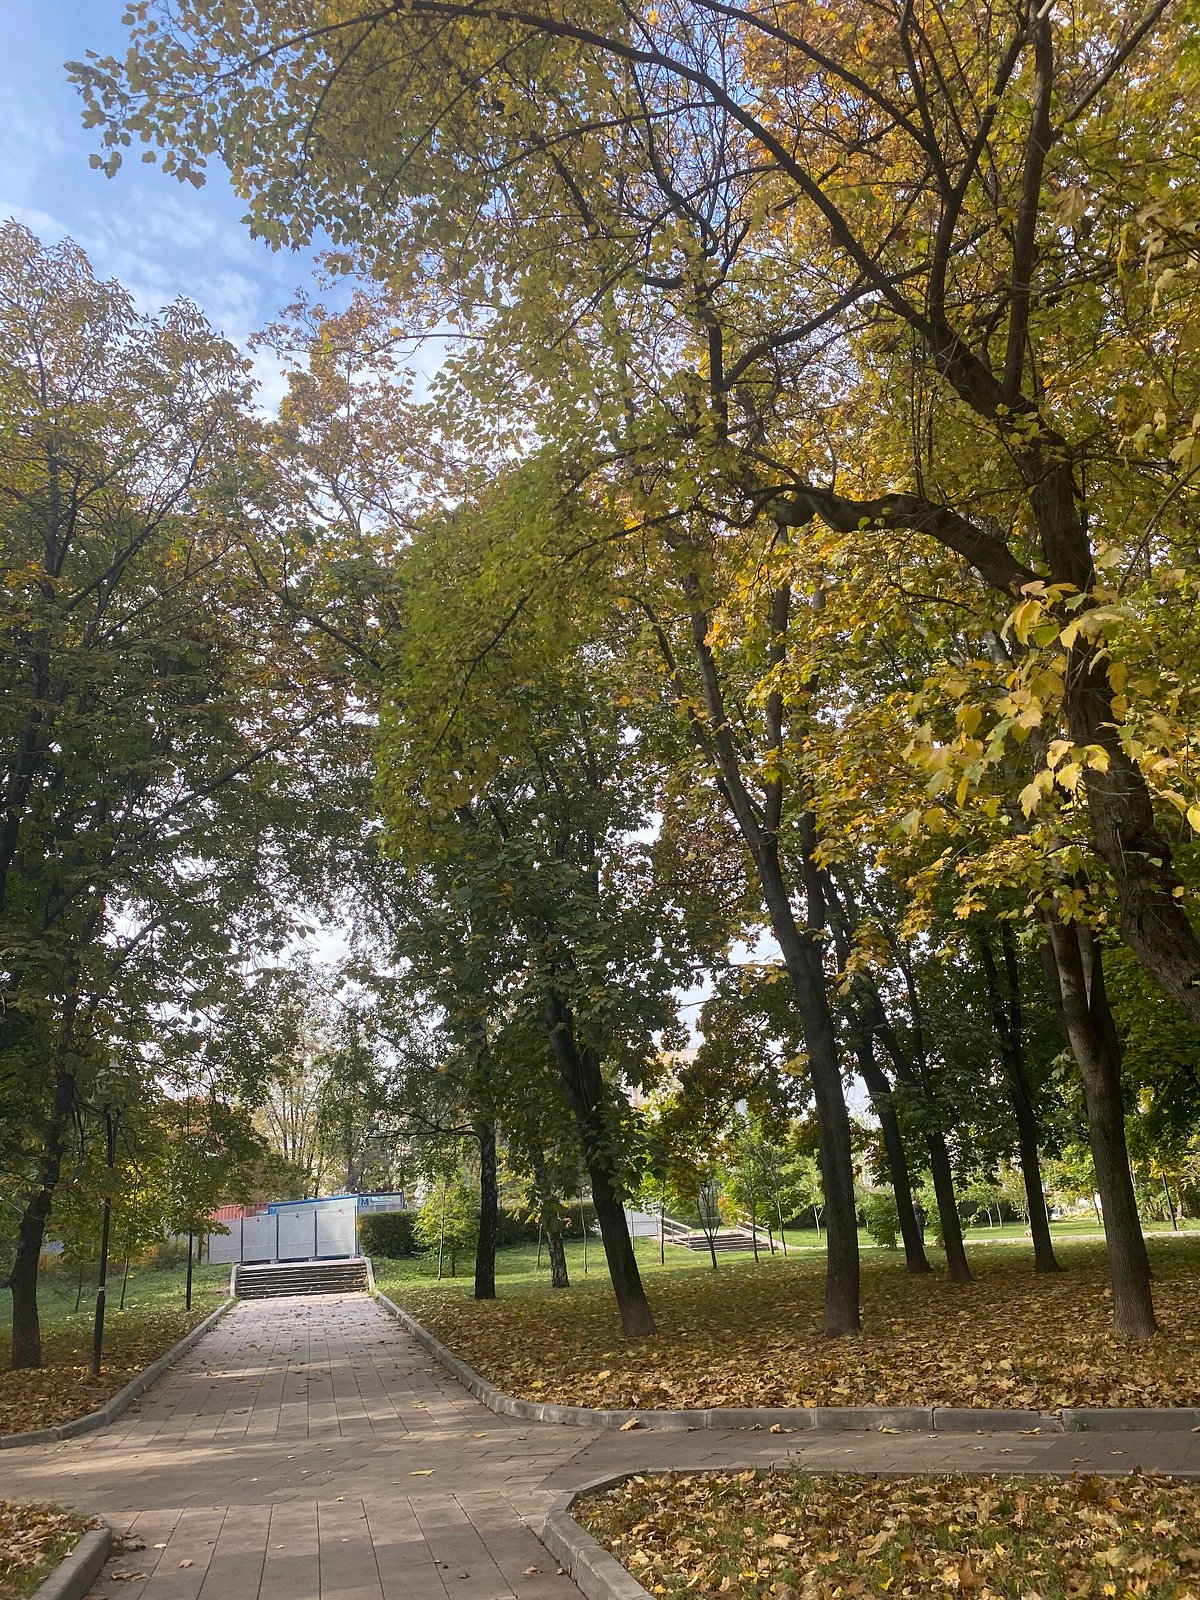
[[782, 1535], [32, 1540], [751, 1336]]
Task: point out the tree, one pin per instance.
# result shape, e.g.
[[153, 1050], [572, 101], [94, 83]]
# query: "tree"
[[147, 823], [448, 1220], [876, 328], [513, 816]]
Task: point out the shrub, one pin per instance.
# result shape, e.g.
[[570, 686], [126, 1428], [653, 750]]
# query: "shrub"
[[388, 1234], [882, 1218]]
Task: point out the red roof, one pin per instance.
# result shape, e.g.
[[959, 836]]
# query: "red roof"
[[236, 1213]]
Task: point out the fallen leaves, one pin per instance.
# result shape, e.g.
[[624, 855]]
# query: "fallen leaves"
[[63, 1387], [751, 1336], [32, 1540], [787, 1536]]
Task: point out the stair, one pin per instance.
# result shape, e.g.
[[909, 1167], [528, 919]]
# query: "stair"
[[302, 1277], [725, 1238]]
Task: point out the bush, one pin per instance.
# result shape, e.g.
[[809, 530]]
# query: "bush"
[[882, 1218], [388, 1234]]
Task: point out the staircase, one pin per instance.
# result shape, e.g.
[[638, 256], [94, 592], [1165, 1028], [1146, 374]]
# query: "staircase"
[[724, 1239], [302, 1277]]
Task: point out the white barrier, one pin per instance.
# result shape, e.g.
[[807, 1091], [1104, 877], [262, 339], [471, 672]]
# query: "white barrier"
[[319, 1230]]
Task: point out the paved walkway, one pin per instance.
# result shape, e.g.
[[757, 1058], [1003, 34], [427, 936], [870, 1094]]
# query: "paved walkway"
[[309, 1449]]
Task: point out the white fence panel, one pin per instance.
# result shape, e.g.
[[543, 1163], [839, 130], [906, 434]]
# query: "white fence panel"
[[297, 1234], [335, 1228], [642, 1225], [259, 1237], [226, 1247]]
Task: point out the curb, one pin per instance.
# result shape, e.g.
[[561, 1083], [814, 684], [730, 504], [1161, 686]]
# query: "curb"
[[807, 1419], [596, 1574], [72, 1577], [124, 1398]]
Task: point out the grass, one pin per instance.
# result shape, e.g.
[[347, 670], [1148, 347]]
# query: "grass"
[[33, 1539], [751, 1334], [153, 1320], [789, 1536]]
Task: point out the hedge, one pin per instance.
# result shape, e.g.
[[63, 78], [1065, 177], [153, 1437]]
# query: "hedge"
[[390, 1233], [387, 1233]]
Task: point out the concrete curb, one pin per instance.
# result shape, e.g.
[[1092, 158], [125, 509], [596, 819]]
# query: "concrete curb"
[[72, 1577], [597, 1575], [807, 1419], [123, 1398]]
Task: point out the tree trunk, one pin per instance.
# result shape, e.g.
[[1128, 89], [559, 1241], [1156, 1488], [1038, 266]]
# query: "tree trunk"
[[550, 1224], [913, 1071], [579, 1069], [1154, 923], [559, 1277], [1044, 1259], [1083, 1004], [1170, 1205], [1009, 1023], [802, 958], [489, 1213], [23, 1279], [802, 949], [880, 1091], [124, 1282], [943, 1188]]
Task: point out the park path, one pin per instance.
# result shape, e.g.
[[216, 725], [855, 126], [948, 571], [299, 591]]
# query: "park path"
[[309, 1448]]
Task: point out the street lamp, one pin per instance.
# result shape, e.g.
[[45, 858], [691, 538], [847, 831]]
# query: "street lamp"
[[106, 1088]]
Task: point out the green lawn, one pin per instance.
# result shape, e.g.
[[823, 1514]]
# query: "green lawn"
[[153, 1320], [517, 1271]]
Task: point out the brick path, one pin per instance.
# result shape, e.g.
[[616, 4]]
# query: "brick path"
[[309, 1449]]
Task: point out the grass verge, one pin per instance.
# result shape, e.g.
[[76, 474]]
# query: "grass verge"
[[790, 1536], [33, 1539], [153, 1320], [751, 1334]]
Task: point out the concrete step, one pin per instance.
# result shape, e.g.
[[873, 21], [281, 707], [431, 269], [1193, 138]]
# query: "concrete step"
[[301, 1277], [731, 1240]]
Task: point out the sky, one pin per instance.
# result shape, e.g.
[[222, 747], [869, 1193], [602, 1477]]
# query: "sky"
[[160, 238]]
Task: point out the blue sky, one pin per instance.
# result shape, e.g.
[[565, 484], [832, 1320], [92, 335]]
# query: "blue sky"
[[161, 238]]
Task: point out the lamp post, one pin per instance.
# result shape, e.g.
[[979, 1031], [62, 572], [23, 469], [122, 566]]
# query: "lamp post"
[[112, 1116]]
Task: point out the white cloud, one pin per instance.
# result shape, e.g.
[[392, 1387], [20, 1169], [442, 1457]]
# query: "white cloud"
[[270, 374], [49, 229]]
